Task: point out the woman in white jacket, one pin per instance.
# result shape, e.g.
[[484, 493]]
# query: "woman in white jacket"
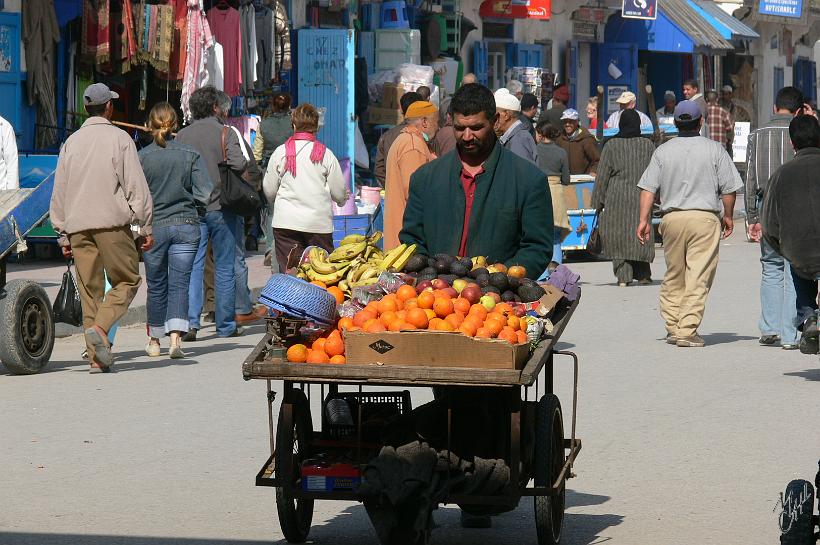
[[302, 178]]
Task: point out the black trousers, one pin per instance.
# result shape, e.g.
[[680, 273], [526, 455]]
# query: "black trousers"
[[293, 243]]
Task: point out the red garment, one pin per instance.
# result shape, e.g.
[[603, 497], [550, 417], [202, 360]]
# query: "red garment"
[[593, 123], [179, 51], [225, 27], [468, 183]]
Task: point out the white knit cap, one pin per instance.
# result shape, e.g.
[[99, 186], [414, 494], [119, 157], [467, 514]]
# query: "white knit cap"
[[506, 101]]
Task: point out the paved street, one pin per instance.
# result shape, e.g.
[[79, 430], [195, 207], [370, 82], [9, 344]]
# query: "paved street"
[[681, 446]]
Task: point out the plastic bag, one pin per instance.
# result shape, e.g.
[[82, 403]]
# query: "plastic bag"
[[67, 306]]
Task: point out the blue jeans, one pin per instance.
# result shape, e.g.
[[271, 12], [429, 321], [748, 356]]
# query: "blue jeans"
[[243, 294], [168, 267], [217, 226], [806, 292], [778, 309]]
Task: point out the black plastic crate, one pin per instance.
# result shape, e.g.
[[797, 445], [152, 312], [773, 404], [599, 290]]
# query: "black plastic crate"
[[378, 410]]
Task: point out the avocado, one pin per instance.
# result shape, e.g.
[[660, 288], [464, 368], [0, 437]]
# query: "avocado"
[[467, 262], [425, 276], [483, 281], [514, 283], [508, 296], [416, 263], [449, 278], [475, 273], [457, 268], [442, 265], [499, 280], [488, 289], [529, 294], [444, 257], [431, 261], [428, 271]]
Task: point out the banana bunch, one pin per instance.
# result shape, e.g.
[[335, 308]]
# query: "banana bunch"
[[397, 257]]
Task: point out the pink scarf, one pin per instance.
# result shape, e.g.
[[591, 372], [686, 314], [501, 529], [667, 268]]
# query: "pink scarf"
[[316, 155]]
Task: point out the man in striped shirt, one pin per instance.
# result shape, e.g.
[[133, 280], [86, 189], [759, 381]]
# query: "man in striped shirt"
[[769, 148]]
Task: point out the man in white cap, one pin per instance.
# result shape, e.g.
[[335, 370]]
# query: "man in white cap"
[[512, 134], [100, 203], [627, 101], [738, 113], [579, 143]]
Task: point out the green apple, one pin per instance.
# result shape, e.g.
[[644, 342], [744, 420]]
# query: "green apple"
[[488, 302], [459, 284]]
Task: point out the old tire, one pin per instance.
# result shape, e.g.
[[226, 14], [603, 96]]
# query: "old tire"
[[548, 461], [295, 515], [26, 327], [796, 524]]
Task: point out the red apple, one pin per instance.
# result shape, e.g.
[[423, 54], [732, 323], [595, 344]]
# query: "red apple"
[[440, 284], [496, 297], [451, 292], [421, 286], [519, 311], [472, 293], [473, 285]]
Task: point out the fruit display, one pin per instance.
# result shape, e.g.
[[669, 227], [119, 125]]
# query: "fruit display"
[[357, 261], [511, 285]]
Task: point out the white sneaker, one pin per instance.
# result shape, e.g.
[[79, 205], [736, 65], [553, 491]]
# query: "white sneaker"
[[176, 353], [153, 350]]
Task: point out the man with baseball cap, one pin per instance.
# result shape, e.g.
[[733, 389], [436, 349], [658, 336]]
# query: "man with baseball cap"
[[408, 152], [511, 132], [696, 181], [99, 204], [627, 101], [560, 99], [579, 143]]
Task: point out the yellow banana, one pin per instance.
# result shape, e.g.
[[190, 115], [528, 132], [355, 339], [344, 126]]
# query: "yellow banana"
[[402, 260], [392, 256], [328, 279], [347, 252], [374, 238], [352, 239], [326, 267], [368, 282], [369, 272]]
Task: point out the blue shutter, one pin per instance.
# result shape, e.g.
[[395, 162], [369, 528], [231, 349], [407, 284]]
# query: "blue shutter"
[[11, 89], [480, 62]]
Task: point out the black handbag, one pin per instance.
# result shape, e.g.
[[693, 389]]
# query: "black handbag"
[[67, 306], [595, 245], [236, 195]]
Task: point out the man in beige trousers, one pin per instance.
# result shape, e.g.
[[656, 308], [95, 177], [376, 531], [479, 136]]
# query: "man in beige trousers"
[[693, 176], [100, 203]]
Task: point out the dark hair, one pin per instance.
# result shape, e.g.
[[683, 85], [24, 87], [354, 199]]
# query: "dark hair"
[[528, 101], [407, 99], [804, 132], [690, 125], [96, 110], [693, 83], [280, 102], [203, 101], [305, 118], [548, 130], [473, 98], [789, 98], [424, 92]]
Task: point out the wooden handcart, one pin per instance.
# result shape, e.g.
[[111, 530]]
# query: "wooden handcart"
[[294, 439]]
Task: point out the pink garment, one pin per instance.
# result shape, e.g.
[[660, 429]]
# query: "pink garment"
[[316, 154], [246, 124], [200, 42], [227, 31]]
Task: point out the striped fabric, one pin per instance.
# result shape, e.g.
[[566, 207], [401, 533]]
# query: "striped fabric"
[[769, 147]]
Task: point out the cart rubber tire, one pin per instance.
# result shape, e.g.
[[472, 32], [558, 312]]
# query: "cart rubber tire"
[[26, 327], [796, 524], [295, 515], [548, 460]]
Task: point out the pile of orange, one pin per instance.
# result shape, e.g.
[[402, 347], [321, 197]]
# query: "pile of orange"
[[329, 349]]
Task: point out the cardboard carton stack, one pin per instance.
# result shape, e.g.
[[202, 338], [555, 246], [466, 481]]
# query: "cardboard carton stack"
[[388, 111]]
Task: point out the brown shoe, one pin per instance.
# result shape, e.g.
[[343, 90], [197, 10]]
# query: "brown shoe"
[[245, 319], [694, 341], [261, 311], [671, 339]]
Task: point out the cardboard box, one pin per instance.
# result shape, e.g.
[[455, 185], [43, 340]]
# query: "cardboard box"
[[383, 116], [391, 95], [548, 301], [433, 349]]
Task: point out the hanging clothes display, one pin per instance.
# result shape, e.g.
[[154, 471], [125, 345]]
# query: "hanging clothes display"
[[124, 46], [200, 44], [176, 71], [247, 23], [226, 29], [40, 33], [96, 34], [281, 42], [216, 67], [263, 18]]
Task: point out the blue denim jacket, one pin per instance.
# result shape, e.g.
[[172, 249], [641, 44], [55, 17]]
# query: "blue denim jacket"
[[178, 180]]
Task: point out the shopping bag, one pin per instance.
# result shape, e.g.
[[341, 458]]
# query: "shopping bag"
[[595, 245], [67, 306]]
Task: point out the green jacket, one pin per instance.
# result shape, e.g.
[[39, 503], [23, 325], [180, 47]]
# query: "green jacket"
[[511, 219]]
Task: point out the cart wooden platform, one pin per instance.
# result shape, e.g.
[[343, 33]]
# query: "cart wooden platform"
[[294, 436]]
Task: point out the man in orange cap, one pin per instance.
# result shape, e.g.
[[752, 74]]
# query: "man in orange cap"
[[409, 152]]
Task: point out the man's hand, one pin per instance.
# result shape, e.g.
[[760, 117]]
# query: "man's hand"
[[808, 110], [147, 243], [67, 253], [755, 232], [728, 226], [643, 232]]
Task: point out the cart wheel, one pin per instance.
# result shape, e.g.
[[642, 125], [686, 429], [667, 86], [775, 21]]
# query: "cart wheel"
[[548, 461], [26, 327], [796, 524], [295, 515]]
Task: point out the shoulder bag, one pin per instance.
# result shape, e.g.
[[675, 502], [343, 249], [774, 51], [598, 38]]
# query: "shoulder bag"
[[67, 306], [595, 245], [236, 194]]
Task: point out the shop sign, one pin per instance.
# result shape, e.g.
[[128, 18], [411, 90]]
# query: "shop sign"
[[590, 15], [509, 9], [613, 92], [741, 141], [781, 8], [639, 9], [583, 30]]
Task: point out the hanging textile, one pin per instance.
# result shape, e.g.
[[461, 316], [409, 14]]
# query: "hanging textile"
[[161, 37], [247, 24], [123, 38], [40, 33], [281, 44], [179, 49], [200, 42], [216, 67], [264, 47], [96, 31], [225, 24]]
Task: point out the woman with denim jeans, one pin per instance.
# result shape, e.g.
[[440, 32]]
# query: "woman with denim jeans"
[[180, 186]]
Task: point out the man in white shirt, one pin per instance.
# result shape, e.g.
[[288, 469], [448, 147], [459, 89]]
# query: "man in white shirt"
[[627, 101], [9, 177]]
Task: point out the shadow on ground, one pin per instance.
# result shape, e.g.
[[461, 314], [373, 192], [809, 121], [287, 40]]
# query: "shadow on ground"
[[808, 374], [725, 338], [12, 538]]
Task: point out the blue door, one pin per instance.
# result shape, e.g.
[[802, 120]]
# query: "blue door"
[[480, 51], [11, 88], [326, 73], [617, 71], [524, 55]]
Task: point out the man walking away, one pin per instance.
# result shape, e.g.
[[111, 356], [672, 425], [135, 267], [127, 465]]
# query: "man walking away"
[[791, 224], [100, 200], [560, 98], [9, 177], [529, 109], [512, 134], [386, 140], [719, 122], [688, 173], [769, 149]]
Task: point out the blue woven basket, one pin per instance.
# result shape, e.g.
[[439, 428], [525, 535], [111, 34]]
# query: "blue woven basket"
[[298, 298]]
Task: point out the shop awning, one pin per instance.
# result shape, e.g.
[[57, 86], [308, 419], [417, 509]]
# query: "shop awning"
[[729, 27], [516, 9], [690, 21]]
